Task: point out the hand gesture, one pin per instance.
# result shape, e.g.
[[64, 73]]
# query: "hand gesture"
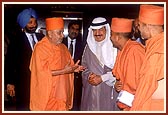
[[79, 67], [74, 68], [70, 69]]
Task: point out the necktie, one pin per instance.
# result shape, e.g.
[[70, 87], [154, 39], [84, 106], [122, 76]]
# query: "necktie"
[[71, 48], [33, 41]]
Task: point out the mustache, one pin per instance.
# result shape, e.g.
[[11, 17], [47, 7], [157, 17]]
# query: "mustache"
[[33, 28], [74, 33], [98, 35]]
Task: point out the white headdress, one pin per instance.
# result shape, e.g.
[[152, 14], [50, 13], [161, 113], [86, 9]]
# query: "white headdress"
[[108, 52]]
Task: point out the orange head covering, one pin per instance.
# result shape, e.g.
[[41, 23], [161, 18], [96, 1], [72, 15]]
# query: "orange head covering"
[[151, 14], [121, 25], [54, 23]]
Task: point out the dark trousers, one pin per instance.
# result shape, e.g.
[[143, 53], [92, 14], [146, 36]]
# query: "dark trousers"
[[77, 92]]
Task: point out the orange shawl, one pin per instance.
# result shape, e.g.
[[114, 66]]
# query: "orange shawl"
[[49, 92], [152, 70], [127, 66]]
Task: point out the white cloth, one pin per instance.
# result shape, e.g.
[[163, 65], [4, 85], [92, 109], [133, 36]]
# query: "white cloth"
[[125, 97], [30, 39], [109, 53], [74, 42], [104, 50], [99, 53], [108, 79]]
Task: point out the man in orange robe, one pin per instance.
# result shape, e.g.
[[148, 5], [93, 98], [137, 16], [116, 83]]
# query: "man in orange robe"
[[129, 60], [52, 71], [150, 91]]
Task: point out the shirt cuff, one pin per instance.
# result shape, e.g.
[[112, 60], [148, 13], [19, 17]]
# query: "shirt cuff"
[[107, 76]]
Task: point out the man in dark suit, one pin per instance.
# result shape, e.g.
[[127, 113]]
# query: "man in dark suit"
[[17, 73], [76, 50]]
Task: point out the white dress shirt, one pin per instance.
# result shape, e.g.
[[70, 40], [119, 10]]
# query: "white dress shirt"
[[74, 42], [30, 39]]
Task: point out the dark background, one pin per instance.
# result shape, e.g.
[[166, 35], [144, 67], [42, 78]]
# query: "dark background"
[[85, 11]]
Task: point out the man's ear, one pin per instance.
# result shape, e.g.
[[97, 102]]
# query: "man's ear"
[[149, 27], [49, 33], [117, 37]]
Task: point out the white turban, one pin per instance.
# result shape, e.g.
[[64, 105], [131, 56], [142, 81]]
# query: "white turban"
[[108, 51]]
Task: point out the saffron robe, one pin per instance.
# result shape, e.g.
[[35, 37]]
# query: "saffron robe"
[[151, 72], [49, 92], [96, 98], [127, 67]]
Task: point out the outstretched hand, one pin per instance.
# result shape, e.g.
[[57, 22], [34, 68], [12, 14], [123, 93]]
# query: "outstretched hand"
[[74, 68], [68, 69], [79, 67]]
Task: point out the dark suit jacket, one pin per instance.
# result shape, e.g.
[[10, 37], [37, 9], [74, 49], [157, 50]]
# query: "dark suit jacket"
[[79, 46], [17, 71]]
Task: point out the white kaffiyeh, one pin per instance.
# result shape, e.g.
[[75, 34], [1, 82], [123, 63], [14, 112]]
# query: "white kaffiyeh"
[[108, 52]]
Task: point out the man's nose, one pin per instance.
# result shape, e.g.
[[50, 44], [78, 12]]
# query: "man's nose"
[[97, 32], [34, 24]]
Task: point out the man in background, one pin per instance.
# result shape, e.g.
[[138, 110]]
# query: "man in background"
[[17, 60], [136, 33], [75, 44]]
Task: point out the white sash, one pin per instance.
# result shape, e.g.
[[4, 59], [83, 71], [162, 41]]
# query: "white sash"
[[125, 97]]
